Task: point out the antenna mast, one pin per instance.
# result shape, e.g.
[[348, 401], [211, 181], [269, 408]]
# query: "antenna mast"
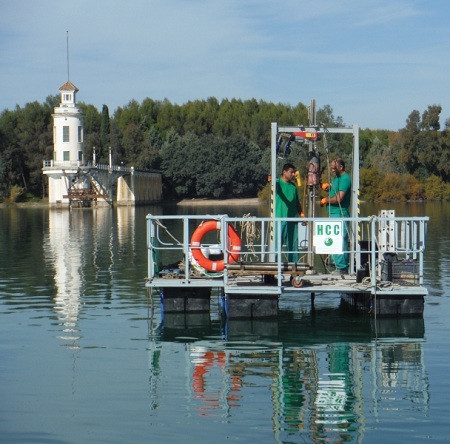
[[68, 71]]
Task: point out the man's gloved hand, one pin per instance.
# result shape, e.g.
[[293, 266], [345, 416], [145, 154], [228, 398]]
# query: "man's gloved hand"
[[323, 201], [302, 215], [325, 186]]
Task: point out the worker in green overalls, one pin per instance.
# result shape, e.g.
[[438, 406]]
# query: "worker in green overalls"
[[288, 204], [338, 204]]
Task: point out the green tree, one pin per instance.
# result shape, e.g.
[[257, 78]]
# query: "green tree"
[[250, 167], [92, 126], [150, 157], [33, 136], [169, 117], [9, 151], [325, 117], [179, 174], [430, 118], [133, 143], [199, 116], [129, 114], [405, 146], [105, 129], [149, 113]]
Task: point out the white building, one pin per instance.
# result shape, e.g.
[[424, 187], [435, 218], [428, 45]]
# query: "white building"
[[68, 151]]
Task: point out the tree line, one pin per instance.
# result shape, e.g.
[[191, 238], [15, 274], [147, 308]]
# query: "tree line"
[[212, 149]]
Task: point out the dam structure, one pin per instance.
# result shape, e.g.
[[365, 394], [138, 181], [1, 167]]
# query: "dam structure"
[[73, 182]]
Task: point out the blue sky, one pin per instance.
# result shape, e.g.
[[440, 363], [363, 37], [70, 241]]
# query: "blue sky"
[[372, 61]]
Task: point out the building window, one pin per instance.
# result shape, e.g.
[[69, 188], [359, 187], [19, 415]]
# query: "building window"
[[66, 155], [67, 97], [80, 134], [80, 156], [66, 134]]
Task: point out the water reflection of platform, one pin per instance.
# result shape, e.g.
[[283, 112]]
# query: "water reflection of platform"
[[320, 370], [317, 327], [395, 328], [195, 325], [243, 329]]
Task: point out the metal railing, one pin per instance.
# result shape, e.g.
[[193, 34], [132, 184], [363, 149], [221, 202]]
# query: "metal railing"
[[62, 164], [376, 244]]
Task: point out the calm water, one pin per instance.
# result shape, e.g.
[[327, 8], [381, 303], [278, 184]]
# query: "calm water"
[[85, 356]]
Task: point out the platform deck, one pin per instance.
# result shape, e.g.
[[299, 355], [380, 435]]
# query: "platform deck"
[[323, 283]]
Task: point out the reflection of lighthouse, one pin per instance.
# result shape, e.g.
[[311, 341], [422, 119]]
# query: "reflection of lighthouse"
[[64, 251]]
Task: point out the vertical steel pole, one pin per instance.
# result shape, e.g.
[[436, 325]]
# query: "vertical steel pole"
[[273, 175], [355, 203]]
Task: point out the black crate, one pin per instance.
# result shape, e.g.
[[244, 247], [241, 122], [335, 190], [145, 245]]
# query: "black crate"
[[401, 272]]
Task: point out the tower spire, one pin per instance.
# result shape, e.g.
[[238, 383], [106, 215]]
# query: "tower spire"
[[68, 71]]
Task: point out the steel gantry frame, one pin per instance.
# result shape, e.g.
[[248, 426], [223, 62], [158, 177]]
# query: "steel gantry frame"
[[312, 191]]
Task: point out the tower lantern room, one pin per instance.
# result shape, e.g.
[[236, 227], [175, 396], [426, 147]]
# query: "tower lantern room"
[[68, 129]]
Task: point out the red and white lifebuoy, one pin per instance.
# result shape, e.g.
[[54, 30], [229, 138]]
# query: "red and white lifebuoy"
[[233, 245]]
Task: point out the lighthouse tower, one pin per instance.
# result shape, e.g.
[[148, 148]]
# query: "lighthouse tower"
[[68, 129], [68, 151]]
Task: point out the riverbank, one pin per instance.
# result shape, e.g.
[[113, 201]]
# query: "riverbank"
[[186, 202], [36, 204], [225, 202]]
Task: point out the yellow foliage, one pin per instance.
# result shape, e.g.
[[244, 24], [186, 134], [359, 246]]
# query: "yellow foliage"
[[400, 187], [15, 192], [434, 188], [264, 194]]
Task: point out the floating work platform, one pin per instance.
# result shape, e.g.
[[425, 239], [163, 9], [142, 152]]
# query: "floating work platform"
[[385, 277]]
